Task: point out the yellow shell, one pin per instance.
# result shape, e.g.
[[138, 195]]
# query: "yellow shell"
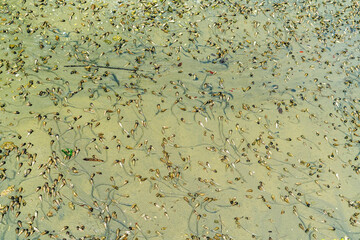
[[117, 38], [8, 146], [7, 191]]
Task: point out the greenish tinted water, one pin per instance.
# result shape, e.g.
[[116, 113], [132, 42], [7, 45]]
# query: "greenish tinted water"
[[179, 120]]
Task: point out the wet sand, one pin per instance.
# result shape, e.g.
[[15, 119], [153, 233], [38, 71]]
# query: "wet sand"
[[179, 120]]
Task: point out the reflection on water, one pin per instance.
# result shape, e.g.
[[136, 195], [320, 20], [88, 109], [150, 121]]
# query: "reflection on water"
[[179, 120]]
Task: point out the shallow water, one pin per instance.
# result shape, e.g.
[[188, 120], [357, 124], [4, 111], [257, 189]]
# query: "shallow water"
[[179, 120]]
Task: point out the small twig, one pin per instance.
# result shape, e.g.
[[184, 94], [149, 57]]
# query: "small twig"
[[93, 159], [108, 67]]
